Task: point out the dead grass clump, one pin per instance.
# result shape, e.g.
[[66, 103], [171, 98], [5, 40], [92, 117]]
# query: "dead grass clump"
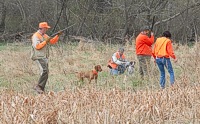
[[86, 45], [85, 105], [120, 99]]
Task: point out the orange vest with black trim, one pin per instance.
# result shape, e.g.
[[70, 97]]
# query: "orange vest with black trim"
[[113, 64]]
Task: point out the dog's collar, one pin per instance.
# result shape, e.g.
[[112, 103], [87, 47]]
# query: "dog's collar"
[[94, 72]]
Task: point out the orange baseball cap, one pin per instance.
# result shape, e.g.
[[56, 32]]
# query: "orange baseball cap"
[[44, 25]]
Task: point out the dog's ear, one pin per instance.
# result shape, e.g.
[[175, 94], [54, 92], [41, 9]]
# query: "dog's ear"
[[133, 64]]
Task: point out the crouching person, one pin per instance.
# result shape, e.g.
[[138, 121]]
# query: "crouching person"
[[117, 63]]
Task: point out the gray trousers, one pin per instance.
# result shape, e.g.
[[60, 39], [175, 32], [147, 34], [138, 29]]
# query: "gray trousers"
[[44, 71], [144, 64]]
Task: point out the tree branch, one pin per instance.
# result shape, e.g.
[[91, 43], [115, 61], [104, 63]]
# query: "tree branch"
[[177, 14]]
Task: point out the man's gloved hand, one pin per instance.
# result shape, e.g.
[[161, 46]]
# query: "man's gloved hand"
[[59, 33], [48, 39]]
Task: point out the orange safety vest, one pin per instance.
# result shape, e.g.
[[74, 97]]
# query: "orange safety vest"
[[94, 72], [45, 36], [42, 53], [113, 64], [160, 48]]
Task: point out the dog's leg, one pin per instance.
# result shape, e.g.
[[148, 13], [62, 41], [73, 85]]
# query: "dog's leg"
[[96, 80], [90, 81], [81, 79]]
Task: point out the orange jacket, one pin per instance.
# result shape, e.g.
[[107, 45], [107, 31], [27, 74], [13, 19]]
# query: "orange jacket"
[[163, 48], [43, 43], [143, 44], [113, 64]]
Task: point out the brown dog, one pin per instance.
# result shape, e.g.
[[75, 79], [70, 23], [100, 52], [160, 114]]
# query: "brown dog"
[[90, 75]]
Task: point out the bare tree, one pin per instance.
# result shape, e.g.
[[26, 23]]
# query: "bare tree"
[[3, 16], [103, 19]]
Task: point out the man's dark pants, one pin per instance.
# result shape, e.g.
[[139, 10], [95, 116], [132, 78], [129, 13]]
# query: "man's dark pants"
[[44, 71]]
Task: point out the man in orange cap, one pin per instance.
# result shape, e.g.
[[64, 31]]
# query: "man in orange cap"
[[40, 53]]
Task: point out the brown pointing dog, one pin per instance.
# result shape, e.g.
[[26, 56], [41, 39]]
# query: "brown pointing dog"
[[90, 75]]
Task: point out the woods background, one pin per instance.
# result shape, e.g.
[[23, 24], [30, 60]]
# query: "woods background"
[[102, 19]]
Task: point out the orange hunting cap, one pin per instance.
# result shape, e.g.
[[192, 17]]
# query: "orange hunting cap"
[[44, 25]]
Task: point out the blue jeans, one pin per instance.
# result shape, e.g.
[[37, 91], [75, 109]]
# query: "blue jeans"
[[165, 62], [114, 72], [119, 70]]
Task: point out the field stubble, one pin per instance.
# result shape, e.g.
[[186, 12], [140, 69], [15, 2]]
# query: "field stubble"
[[123, 99]]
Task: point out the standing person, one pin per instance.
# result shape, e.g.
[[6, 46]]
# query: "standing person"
[[143, 50], [40, 53], [162, 52], [117, 62]]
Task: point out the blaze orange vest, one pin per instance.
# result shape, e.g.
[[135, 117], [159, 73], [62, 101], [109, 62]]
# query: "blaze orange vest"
[[113, 64], [160, 47], [94, 72], [42, 53]]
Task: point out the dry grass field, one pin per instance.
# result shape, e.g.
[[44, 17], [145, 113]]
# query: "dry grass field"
[[113, 100]]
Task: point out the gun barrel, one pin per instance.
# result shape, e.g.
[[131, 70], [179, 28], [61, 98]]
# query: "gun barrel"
[[151, 29], [153, 22], [61, 30]]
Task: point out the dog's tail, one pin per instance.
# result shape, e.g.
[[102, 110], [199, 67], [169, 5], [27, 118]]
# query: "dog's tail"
[[70, 72]]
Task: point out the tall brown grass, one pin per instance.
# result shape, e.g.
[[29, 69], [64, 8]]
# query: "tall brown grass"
[[123, 99]]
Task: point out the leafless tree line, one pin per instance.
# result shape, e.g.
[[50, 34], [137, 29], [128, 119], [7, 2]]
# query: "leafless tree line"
[[103, 19]]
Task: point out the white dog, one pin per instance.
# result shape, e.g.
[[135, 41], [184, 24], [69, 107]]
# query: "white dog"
[[130, 67]]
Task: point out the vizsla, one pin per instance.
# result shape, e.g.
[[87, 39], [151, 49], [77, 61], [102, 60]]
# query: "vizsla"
[[90, 75]]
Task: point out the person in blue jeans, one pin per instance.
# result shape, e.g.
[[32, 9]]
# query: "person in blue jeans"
[[117, 62], [162, 52]]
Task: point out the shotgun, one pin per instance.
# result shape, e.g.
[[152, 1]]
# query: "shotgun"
[[152, 24], [54, 34]]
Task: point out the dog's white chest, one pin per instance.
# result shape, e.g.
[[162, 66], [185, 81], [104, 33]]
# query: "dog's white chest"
[[130, 70]]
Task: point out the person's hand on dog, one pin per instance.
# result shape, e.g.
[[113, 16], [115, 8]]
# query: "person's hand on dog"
[[122, 62], [126, 63]]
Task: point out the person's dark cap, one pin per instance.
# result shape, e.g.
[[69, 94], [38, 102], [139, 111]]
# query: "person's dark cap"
[[121, 49], [145, 28], [167, 34]]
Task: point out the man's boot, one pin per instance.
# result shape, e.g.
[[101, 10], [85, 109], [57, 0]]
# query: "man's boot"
[[38, 89]]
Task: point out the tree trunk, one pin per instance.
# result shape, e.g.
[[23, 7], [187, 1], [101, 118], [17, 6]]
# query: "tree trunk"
[[3, 17], [82, 21], [65, 19]]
